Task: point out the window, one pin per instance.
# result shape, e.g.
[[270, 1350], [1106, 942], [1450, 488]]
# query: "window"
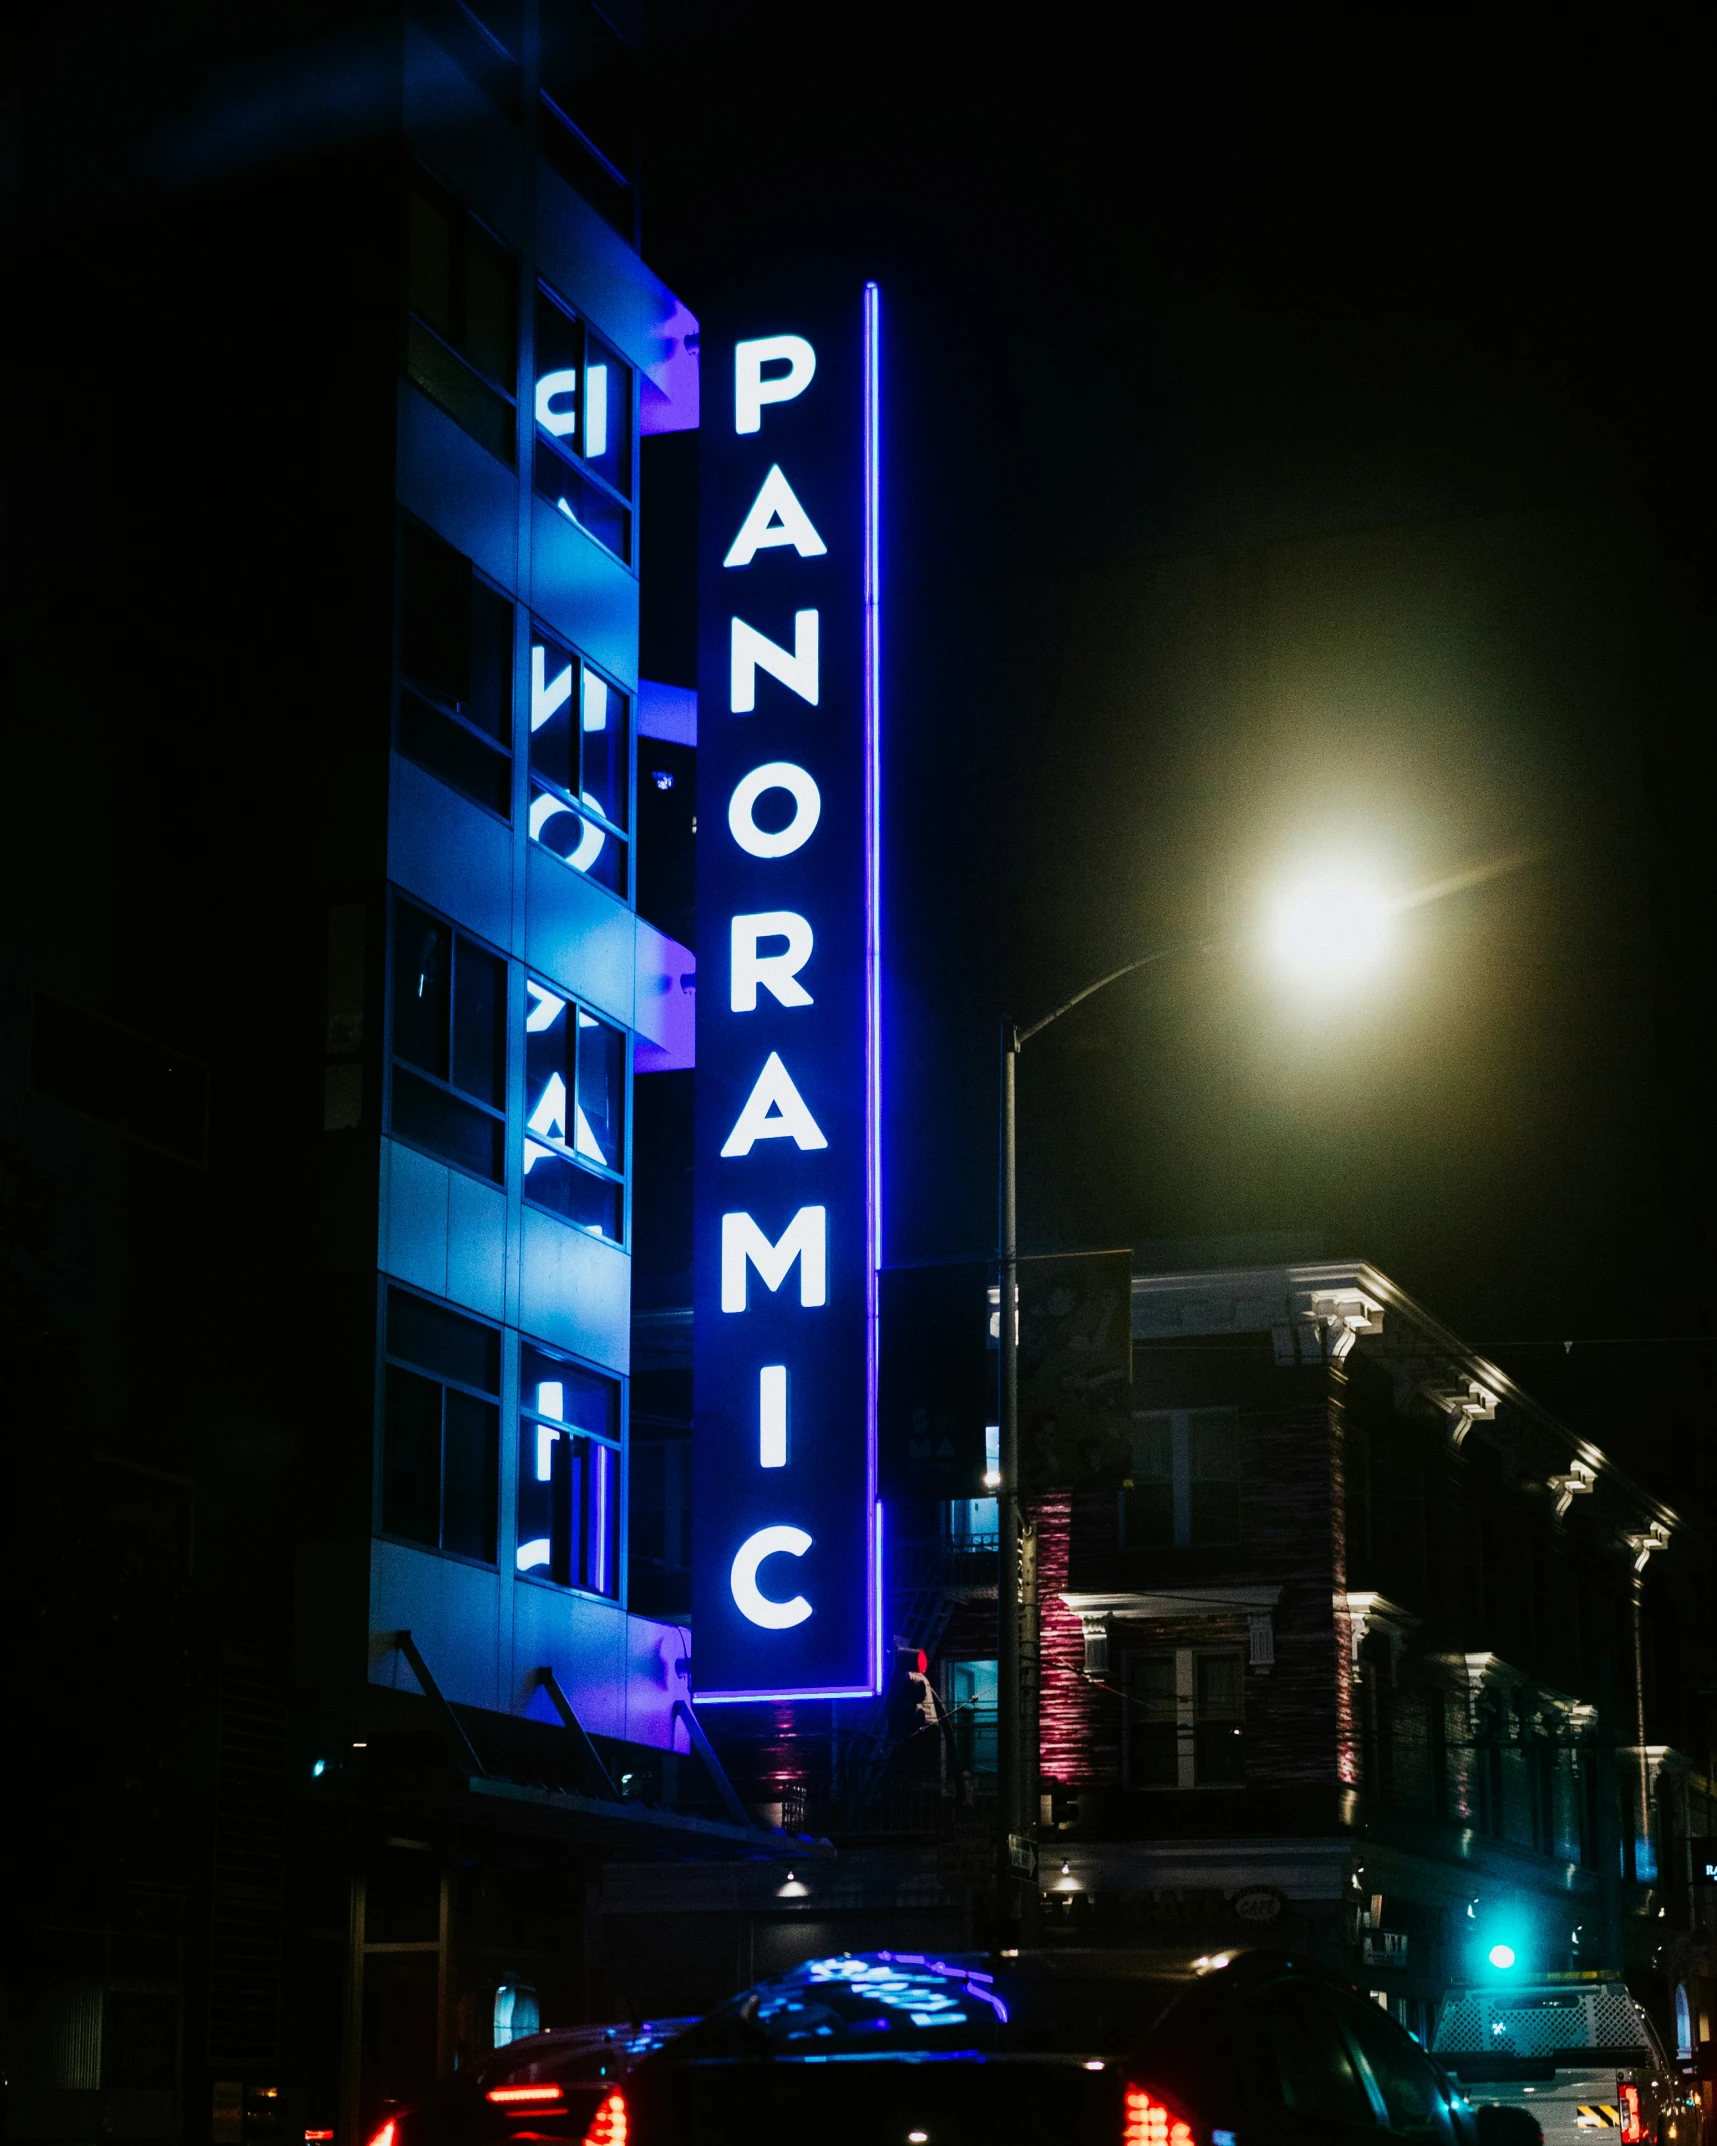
[[1405, 2082], [449, 1043], [1186, 1480], [516, 2013], [975, 1523], [456, 671], [658, 1511], [589, 125], [575, 1113], [970, 1691], [138, 1087], [581, 764], [1186, 1718], [441, 1427], [583, 408], [569, 1473], [462, 336]]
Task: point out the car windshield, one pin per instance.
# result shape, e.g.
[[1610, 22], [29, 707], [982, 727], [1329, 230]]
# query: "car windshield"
[[591, 2053], [1600, 2019], [880, 2004]]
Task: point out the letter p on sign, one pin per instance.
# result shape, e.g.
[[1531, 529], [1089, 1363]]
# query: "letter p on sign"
[[751, 390]]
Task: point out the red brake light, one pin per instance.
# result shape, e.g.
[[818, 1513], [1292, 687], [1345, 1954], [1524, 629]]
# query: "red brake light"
[[384, 2137], [529, 2096], [1628, 2095], [1151, 2121], [608, 2125]]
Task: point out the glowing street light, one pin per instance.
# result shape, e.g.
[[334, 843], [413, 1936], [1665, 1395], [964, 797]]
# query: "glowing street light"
[[1329, 929]]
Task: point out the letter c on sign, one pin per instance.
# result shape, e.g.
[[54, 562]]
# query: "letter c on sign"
[[807, 810], [753, 1602]]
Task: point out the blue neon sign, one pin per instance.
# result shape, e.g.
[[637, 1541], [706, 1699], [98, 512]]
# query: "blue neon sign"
[[788, 1546]]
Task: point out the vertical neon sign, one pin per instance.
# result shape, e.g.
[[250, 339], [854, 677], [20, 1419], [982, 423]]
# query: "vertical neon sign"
[[787, 1527]]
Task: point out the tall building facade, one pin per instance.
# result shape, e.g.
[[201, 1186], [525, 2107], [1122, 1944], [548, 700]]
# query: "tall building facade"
[[324, 1005]]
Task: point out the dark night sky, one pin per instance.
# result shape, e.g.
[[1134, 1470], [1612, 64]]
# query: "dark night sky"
[[1298, 444]]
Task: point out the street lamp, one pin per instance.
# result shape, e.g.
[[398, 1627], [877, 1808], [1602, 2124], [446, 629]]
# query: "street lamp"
[[1325, 930]]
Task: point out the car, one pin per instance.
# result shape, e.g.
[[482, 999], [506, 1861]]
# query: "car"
[[540, 2089], [1050, 2048], [1580, 2052]]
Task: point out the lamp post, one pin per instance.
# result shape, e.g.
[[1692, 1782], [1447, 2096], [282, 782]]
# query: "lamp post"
[[1323, 931]]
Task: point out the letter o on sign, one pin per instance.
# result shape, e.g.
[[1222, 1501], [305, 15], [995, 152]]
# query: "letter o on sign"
[[807, 809]]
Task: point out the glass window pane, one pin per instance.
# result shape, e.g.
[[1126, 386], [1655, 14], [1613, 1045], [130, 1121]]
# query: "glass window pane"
[[1152, 1721], [411, 1456], [448, 749], [587, 505], [1215, 1512], [434, 615], [448, 1126], [567, 1393], [437, 1339], [422, 989], [1149, 1515], [601, 1127], [970, 1689], [491, 309], [1409, 2087], [559, 1134], [468, 1461], [1215, 1446], [607, 765], [607, 428], [559, 367], [480, 1024], [468, 400], [489, 697], [602, 1518], [554, 713], [1316, 2075], [430, 265], [576, 841], [535, 1551]]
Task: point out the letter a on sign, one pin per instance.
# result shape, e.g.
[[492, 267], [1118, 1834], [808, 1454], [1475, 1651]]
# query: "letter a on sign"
[[788, 1204]]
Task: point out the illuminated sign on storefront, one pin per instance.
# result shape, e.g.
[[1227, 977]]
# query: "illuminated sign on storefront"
[[787, 1542]]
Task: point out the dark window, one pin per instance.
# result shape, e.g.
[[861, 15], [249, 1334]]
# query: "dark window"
[[1405, 2083], [658, 1516], [1315, 2072], [575, 1113], [589, 125], [1186, 1718], [462, 337], [581, 763], [1186, 1480], [456, 671], [441, 1431], [139, 1087], [569, 1473], [484, 37], [449, 1043], [139, 2041], [582, 403]]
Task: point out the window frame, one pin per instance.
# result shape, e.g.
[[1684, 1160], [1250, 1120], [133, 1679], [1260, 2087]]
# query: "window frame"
[[504, 750], [1187, 1721], [619, 1445], [386, 1359], [538, 635], [420, 179], [1181, 1480], [620, 1178], [554, 444], [500, 1113]]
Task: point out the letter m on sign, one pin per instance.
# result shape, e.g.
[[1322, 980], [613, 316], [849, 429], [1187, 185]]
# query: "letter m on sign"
[[743, 1245]]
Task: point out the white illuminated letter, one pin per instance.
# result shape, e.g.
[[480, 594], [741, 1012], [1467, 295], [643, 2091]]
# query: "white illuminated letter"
[[774, 1110], [752, 652], [547, 699], [775, 972], [549, 387], [749, 1598], [772, 1416], [759, 841], [776, 517], [596, 411], [805, 1239], [751, 391]]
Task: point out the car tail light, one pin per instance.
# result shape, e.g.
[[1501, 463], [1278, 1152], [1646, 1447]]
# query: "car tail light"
[[384, 2137], [1151, 2121], [1628, 2095], [608, 2125], [525, 2097]]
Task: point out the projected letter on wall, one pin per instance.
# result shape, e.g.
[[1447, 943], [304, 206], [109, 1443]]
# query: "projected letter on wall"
[[788, 1541]]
